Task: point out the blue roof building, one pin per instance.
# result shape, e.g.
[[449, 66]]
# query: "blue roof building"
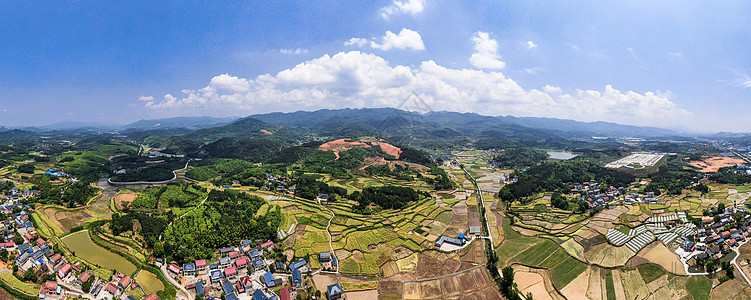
[[254, 253], [216, 276], [296, 278], [298, 264], [269, 279], [199, 288], [228, 288], [259, 295], [258, 263], [334, 291], [231, 297], [189, 267]]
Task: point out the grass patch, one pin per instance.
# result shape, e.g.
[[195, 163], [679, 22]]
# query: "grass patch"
[[650, 272], [556, 258], [361, 286], [699, 287], [26, 288], [609, 285], [566, 271]]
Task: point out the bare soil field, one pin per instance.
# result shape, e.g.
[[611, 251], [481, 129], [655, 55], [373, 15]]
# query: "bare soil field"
[[343, 145], [714, 163], [120, 198], [535, 281], [727, 290], [659, 254]]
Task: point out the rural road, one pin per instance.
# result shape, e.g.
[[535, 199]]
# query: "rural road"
[[183, 291], [331, 244], [482, 205]]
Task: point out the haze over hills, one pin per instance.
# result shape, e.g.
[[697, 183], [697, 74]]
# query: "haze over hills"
[[365, 121], [178, 122], [460, 121]]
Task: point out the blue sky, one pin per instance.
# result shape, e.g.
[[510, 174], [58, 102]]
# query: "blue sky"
[[669, 64]]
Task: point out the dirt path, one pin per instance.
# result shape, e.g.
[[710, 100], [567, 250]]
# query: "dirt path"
[[187, 212], [331, 239]]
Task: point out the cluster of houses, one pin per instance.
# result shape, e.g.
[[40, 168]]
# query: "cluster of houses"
[[35, 253], [595, 197], [246, 270], [719, 235], [15, 194]]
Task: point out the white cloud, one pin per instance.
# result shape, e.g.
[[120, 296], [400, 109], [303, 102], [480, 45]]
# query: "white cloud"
[[552, 89], [742, 79], [534, 70], [293, 51], [355, 79], [406, 39], [485, 56], [146, 98], [359, 42], [411, 7], [531, 45]]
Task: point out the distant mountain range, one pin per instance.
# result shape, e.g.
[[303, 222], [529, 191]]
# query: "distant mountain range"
[[179, 122], [365, 121], [468, 122]]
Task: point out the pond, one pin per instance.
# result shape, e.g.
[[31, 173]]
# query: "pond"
[[84, 247], [562, 155], [149, 282]]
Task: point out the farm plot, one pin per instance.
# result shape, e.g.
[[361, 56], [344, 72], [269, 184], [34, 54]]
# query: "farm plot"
[[535, 281], [659, 254]]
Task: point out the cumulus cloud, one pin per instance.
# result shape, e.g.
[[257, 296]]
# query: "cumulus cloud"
[[293, 51], [411, 7], [406, 39], [355, 79], [146, 98], [552, 89], [359, 42], [486, 56], [531, 45]]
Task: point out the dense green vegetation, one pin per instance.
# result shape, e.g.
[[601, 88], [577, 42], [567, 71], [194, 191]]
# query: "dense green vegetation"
[[387, 197], [255, 150], [671, 177], [309, 188], [557, 176], [69, 194], [171, 195], [731, 175], [520, 157], [226, 218], [151, 172]]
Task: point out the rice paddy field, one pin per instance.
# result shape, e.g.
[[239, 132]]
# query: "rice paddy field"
[[362, 243]]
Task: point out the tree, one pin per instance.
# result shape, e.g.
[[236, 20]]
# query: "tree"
[[30, 275], [703, 188], [26, 168], [86, 286], [4, 255], [710, 266]]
